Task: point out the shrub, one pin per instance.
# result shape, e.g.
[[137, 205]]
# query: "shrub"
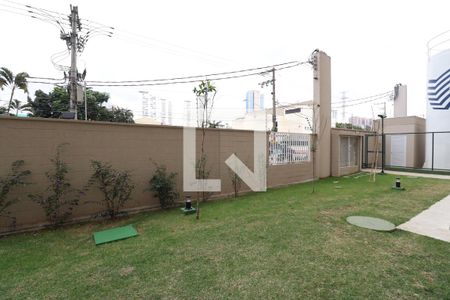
[[115, 185], [15, 178], [60, 198], [163, 185]]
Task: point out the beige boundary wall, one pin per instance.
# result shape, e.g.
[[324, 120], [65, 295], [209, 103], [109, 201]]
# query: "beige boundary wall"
[[125, 146]]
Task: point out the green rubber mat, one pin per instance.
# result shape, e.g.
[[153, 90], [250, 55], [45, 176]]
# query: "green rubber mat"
[[188, 211], [114, 234], [371, 223]]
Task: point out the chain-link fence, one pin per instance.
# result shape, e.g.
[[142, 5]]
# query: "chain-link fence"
[[428, 151]]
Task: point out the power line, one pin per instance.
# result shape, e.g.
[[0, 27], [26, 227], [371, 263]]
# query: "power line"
[[197, 76], [36, 13], [44, 82], [186, 79], [61, 21], [26, 7], [13, 12], [363, 102], [92, 28], [364, 98], [168, 82]]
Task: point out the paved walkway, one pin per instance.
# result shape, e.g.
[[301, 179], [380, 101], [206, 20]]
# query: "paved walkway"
[[426, 175], [433, 222]]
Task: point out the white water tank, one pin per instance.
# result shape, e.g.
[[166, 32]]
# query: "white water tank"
[[438, 111]]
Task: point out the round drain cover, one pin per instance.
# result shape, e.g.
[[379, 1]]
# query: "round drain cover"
[[371, 223]]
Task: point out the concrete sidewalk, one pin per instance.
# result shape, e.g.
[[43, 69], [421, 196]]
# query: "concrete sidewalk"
[[433, 222], [437, 176]]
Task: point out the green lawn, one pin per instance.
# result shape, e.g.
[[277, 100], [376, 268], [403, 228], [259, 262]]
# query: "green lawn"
[[285, 243]]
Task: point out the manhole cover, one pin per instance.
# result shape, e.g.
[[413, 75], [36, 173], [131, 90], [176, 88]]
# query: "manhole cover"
[[371, 223]]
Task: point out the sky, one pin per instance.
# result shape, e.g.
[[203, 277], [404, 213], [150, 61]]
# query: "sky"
[[373, 45]]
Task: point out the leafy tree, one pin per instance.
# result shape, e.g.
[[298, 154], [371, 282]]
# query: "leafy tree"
[[18, 81], [121, 115], [52, 105], [49, 105], [2, 110], [95, 108]]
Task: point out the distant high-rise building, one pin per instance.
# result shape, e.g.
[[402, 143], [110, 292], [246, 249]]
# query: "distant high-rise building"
[[152, 108], [295, 117], [334, 116], [169, 112], [144, 103], [254, 101], [163, 111], [365, 123]]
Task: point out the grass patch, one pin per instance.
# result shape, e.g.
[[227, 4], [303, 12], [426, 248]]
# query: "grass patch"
[[285, 243]]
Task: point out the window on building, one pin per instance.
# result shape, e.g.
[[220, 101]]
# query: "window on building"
[[349, 151]]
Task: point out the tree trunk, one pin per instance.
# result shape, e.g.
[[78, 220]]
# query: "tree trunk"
[[10, 99]]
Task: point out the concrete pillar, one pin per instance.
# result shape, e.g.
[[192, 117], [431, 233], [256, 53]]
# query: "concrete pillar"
[[400, 101], [322, 113]]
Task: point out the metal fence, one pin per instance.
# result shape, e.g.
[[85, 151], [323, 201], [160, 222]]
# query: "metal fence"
[[427, 151], [288, 148]]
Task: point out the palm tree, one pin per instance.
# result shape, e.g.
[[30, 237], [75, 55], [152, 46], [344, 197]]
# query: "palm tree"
[[215, 124], [16, 105], [18, 81]]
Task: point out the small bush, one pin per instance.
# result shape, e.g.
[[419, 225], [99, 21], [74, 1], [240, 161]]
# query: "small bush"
[[115, 185], [15, 178], [163, 185], [60, 198]]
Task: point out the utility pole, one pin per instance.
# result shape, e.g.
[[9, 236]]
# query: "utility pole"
[[343, 98], [76, 42], [383, 144], [205, 110], [274, 102], [85, 101], [73, 74]]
